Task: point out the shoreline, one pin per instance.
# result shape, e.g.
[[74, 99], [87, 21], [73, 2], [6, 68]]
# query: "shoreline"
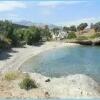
[[23, 54], [77, 86], [71, 86]]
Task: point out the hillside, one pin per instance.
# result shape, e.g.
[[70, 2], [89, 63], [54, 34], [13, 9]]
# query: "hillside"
[[87, 32]]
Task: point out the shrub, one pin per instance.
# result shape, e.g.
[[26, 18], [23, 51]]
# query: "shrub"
[[71, 35], [32, 36], [27, 84], [95, 35], [5, 43], [11, 76], [82, 38]]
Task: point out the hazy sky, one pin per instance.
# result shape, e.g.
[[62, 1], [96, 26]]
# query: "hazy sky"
[[54, 12]]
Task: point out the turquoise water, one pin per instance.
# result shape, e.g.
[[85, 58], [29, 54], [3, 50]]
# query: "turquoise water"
[[65, 61], [46, 99]]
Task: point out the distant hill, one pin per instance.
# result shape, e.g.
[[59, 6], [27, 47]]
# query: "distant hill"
[[29, 23], [24, 22]]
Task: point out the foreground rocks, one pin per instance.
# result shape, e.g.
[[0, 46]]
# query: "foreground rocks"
[[89, 42], [70, 86]]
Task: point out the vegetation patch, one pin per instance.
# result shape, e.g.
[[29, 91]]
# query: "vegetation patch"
[[71, 35], [11, 76], [18, 35], [27, 84], [82, 38], [5, 43], [97, 35]]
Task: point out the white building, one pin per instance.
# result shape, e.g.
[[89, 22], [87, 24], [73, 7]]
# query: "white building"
[[60, 35]]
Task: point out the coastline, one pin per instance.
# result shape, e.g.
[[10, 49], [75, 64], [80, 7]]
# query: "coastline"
[[71, 86], [76, 86], [20, 55]]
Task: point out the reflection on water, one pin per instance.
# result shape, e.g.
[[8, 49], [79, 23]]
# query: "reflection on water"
[[66, 60]]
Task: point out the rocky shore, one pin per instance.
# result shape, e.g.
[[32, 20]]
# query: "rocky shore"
[[95, 42], [78, 85], [71, 86]]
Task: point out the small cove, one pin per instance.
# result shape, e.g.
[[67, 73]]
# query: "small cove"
[[64, 61]]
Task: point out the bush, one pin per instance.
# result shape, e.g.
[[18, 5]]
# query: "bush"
[[82, 38], [95, 35], [27, 84], [32, 36], [11, 76], [5, 43], [71, 35]]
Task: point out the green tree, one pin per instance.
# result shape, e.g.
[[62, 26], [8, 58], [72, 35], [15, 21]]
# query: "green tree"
[[32, 35], [66, 29], [82, 26], [46, 33], [56, 30], [71, 35], [97, 27], [73, 28]]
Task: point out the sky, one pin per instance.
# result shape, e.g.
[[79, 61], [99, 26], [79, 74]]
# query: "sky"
[[62, 12]]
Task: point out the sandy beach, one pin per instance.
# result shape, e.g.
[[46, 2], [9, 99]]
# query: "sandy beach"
[[18, 56], [77, 85]]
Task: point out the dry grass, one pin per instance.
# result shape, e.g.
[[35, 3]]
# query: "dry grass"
[[12, 75]]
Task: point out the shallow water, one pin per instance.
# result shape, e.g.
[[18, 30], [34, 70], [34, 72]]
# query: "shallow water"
[[65, 61], [46, 99]]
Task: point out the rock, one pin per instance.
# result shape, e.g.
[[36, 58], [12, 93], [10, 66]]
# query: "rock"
[[48, 80], [47, 95], [95, 42], [78, 85]]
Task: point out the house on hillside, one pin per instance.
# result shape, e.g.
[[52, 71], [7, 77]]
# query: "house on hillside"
[[60, 35]]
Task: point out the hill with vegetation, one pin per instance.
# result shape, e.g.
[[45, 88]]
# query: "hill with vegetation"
[[14, 34]]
